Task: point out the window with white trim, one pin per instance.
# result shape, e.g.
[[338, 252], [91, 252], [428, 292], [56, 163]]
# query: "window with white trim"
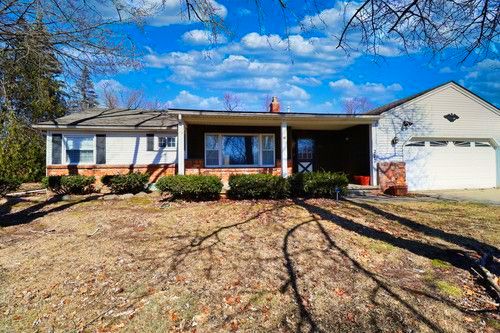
[[482, 144], [239, 150], [167, 142], [438, 143], [461, 143], [79, 149]]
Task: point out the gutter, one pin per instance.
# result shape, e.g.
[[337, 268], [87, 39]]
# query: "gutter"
[[103, 128]]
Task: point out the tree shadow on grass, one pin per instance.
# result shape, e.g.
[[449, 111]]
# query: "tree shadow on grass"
[[455, 257], [35, 211], [464, 241]]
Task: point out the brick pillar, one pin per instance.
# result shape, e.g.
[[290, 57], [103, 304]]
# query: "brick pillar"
[[391, 175]]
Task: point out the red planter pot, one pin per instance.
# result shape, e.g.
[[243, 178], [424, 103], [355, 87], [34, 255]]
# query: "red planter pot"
[[361, 180]]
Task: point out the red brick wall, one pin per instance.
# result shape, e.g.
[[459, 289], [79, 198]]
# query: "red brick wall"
[[391, 174], [156, 171], [196, 167]]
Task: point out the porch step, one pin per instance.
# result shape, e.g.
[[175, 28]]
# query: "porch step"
[[354, 190]]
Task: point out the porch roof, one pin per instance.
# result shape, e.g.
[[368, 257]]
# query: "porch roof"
[[319, 121]]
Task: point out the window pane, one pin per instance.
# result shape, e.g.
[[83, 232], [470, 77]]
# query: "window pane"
[[438, 143], [162, 142], [80, 142], [305, 149], [240, 150], [462, 143], [211, 142], [268, 142], [171, 140], [268, 157], [212, 157], [416, 144]]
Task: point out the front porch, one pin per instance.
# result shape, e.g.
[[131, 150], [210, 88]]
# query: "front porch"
[[224, 143]]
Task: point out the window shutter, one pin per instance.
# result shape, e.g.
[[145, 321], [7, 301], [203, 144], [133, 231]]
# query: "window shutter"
[[151, 142], [101, 149], [56, 148]]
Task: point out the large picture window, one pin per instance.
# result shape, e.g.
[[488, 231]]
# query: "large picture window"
[[239, 150], [79, 149]]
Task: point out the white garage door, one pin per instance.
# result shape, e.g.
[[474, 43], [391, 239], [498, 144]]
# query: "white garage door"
[[443, 164]]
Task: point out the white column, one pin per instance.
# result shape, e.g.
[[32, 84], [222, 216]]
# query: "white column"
[[372, 137], [180, 146], [284, 149]]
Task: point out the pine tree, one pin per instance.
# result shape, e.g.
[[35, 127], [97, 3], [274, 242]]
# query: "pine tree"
[[30, 75], [86, 92], [30, 91]]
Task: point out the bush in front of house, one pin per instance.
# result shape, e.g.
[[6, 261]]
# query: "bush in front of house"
[[73, 184], [129, 183], [8, 184], [318, 184], [191, 187], [258, 186]]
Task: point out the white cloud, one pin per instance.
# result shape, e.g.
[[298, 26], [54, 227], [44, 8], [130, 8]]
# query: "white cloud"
[[305, 81], [110, 84], [295, 93], [342, 84], [187, 100], [484, 79], [375, 92], [202, 37], [446, 70]]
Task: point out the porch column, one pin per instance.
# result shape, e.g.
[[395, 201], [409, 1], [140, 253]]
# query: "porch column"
[[180, 146], [372, 137], [284, 149]]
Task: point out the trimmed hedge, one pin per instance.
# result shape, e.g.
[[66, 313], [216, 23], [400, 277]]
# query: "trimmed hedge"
[[8, 184], [130, 183], [318, 184], [258, 186], [74, 184], [191, 187]]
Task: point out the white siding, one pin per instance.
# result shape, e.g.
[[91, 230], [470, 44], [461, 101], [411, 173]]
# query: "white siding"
[[477, 121], [127, 148]]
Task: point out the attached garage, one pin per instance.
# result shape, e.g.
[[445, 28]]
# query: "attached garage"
[[448, 137], [434, 164]]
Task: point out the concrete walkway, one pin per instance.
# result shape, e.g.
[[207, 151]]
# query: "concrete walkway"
[[486, 196]]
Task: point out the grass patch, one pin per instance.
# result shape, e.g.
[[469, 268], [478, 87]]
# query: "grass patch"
[[380, 247], [437, 263], [448, 288]]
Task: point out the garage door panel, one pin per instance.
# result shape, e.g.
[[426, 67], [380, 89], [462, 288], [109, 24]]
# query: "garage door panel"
[[450, 167]]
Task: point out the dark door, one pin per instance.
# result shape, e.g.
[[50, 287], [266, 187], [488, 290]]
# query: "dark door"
[[305, 155]]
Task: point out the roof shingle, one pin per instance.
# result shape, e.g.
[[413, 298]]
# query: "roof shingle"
[[115, 118]]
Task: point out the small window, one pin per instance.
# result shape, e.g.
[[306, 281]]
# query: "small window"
[[167, 142], [212, 150], [268, 149], [438, 143], [461, 143], [482, 144], [79, 149], [416, 144]]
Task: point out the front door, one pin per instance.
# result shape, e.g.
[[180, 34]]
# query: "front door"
[[305, 155]]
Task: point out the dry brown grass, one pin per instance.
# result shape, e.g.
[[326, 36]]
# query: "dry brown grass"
[[315, 265]]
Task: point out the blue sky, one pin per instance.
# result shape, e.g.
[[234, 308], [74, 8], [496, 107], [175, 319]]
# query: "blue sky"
[[182, 66]]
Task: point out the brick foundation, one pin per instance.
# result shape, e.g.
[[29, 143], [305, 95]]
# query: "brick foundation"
[[156, 171], [196, 167], [391, 174]]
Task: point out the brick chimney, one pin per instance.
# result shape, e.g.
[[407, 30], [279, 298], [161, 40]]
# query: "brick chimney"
[[274, 107]]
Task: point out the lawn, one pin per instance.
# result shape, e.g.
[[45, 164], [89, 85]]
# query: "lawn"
[[142, 265]]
